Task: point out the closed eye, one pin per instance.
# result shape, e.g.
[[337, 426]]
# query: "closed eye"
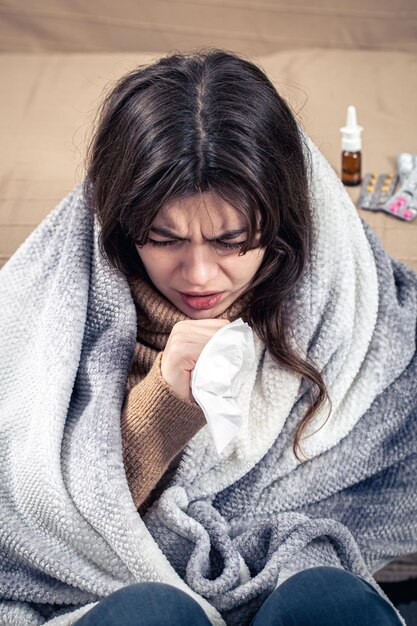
[[216, 242]]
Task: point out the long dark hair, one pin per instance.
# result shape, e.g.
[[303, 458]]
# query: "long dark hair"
[[209, 121]]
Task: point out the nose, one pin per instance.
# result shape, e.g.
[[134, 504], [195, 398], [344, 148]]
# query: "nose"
[[199, 266]]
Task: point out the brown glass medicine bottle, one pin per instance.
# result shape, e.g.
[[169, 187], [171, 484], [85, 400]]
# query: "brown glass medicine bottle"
[[351, 168], [351, 150]]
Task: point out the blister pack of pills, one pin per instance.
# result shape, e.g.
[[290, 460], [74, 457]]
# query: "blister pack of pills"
[[403, 203], [378, 192], [375, 190]]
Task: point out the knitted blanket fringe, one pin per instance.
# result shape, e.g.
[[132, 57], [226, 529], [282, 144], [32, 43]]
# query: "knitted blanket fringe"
[[229, 528]]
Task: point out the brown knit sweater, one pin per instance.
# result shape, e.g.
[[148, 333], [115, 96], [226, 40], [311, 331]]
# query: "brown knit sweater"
[[156, 424]]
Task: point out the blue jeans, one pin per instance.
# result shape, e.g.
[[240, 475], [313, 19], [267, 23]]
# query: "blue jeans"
[[320, 596]]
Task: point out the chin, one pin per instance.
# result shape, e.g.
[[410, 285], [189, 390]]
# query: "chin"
[[203, 314]]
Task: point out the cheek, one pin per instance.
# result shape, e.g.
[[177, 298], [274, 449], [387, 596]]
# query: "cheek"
[[156, 262], [253, 266], [258, 257], [148, 256], [254, 260], [242, 269]]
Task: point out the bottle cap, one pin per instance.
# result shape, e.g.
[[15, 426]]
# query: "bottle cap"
[[351, 133]]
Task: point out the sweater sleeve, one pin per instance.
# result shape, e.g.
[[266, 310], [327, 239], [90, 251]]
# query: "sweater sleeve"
[[156, 424]]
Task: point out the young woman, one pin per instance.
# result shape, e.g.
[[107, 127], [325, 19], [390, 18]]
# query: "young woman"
[[205, 202]]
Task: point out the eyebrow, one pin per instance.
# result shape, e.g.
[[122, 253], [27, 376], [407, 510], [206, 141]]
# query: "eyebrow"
[[166, 232]]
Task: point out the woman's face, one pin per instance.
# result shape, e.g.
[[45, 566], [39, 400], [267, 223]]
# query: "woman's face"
[[191, 255]]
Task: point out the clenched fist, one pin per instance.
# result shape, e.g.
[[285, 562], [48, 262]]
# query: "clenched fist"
[[184, 346]]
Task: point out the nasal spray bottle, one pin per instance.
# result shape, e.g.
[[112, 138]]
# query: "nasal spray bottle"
[[351, 150]]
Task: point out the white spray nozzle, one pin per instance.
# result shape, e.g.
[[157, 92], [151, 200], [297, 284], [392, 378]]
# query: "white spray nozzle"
[[351, 133]]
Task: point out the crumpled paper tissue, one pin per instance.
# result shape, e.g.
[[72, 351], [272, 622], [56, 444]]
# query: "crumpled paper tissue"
[[218, 377]]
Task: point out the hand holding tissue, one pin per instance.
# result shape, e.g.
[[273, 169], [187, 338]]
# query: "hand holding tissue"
[[218, 377]]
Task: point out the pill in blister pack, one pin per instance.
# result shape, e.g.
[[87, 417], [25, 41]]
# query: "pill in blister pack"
[[406, 163], [403, 203], [375, 191]]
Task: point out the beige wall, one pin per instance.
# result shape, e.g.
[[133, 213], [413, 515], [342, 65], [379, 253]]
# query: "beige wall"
[[254, 27]]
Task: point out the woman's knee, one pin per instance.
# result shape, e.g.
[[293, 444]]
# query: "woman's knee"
[[326, 595], [145, 604]]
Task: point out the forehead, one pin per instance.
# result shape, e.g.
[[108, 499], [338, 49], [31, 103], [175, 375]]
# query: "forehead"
[[206, 209]]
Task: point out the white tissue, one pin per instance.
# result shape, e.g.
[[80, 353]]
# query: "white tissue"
[[218, 377]]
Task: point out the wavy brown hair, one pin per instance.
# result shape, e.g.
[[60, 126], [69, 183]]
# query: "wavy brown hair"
[[209, 121]]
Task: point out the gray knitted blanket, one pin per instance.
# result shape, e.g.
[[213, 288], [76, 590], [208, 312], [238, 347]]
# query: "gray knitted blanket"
[[230, 527]]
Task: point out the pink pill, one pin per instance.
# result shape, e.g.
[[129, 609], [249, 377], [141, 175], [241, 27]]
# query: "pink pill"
[[407, 214], [394, 208], [401, 201]]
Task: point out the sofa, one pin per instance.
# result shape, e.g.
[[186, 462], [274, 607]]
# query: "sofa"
[[57, 58]]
